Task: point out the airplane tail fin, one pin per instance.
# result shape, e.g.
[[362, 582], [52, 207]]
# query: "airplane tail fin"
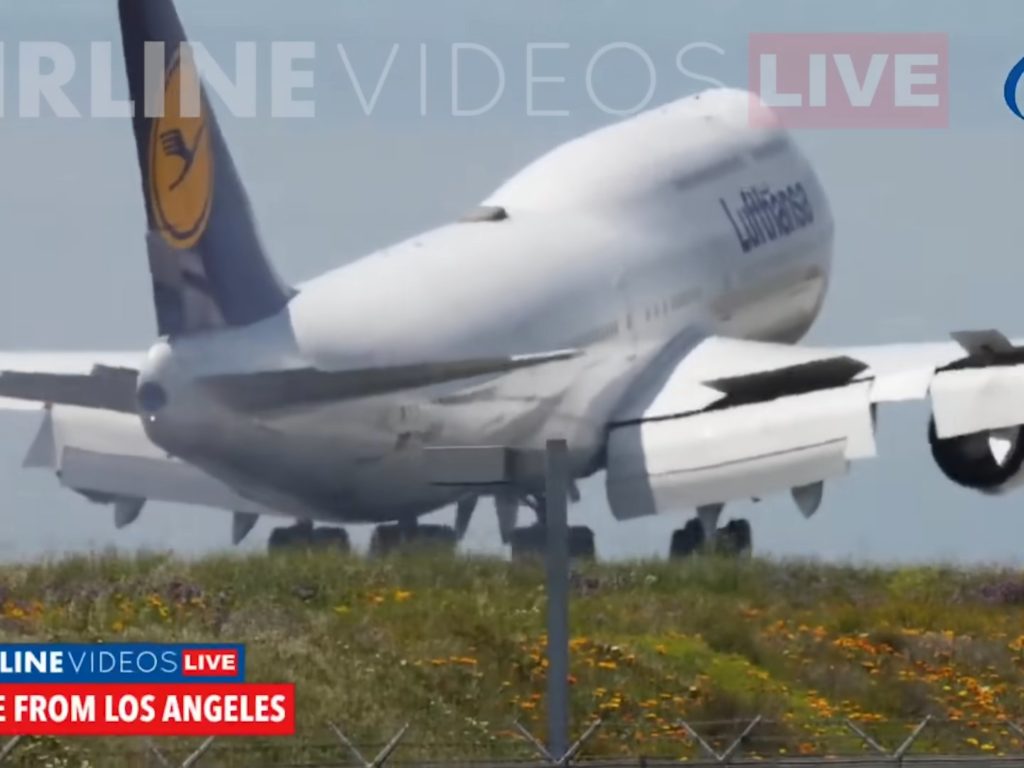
[[209, 268]]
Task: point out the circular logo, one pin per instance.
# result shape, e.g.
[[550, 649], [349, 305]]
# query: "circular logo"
[[1010, 89], [181, 160]]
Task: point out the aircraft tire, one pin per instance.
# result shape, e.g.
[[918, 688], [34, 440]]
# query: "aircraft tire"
[[331, 538], [687, 541], [385, 540], [581, 543], [439, 537], [527, 543], [290, 538], [388, 539], [531, 543], [736, 539]]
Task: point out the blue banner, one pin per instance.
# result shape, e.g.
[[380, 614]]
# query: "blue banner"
[[121, 663]]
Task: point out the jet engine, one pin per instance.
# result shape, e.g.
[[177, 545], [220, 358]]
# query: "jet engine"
[[988, 461]]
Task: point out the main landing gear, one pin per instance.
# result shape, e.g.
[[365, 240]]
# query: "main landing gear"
[[531, 542], [407, 534], [388, 539], [702, 534], [304, 535]]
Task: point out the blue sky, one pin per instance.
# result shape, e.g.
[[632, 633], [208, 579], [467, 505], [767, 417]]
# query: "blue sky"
[[927, 239]]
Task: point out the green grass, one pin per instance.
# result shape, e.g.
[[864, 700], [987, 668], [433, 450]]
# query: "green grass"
[[456, 648]]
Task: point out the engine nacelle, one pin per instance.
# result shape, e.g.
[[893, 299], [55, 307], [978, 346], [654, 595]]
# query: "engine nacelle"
[[988, 461]]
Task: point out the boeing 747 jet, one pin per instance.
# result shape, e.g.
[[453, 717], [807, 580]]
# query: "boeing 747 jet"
[[640, 291]]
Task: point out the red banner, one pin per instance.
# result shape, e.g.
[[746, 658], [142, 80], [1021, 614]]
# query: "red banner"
[[233, 709]]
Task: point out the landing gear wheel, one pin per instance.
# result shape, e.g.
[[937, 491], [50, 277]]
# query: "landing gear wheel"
[[442, 537], [736, 539], [687, 541], [290, 538], [307, 537], [388, 539], [331, 538], [385, 540], [528, 543], [581, 543], [531, 543]]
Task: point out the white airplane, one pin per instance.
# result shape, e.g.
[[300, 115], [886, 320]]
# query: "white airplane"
[[638, 291]]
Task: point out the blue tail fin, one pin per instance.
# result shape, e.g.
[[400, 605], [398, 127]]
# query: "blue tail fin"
[[209, 268]]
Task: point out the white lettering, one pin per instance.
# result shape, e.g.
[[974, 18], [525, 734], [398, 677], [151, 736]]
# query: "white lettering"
[[769, 89], [714, 83], [285, 79], [457, 50], [532, 79], [35, 85], [238, 95], [368, 104], [861, 95], [651, 71], [103, 103], [907, 77]]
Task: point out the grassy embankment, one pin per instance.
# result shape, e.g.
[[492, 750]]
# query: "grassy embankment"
[[456, 648]]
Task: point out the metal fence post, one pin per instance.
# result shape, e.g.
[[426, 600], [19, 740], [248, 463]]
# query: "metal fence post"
[[556, 471]]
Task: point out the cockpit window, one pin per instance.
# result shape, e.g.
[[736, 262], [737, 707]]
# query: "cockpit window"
[[485, 213]]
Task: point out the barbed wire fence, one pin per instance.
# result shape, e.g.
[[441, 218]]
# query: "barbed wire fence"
[[925, 743]]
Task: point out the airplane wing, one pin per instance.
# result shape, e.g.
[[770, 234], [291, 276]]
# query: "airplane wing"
[[92, 438], [739, 419], [107, 381], [283, 389]]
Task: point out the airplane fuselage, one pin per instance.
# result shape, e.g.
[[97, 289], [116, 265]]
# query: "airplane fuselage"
[[629, 244]]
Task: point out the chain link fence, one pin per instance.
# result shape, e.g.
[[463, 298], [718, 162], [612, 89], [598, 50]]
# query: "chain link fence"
[[757, 741]]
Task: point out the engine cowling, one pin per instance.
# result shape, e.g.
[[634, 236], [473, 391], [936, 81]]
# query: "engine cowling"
[[988, 461]]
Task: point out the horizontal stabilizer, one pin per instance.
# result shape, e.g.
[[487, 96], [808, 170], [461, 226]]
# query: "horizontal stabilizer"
[[109, 389]]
